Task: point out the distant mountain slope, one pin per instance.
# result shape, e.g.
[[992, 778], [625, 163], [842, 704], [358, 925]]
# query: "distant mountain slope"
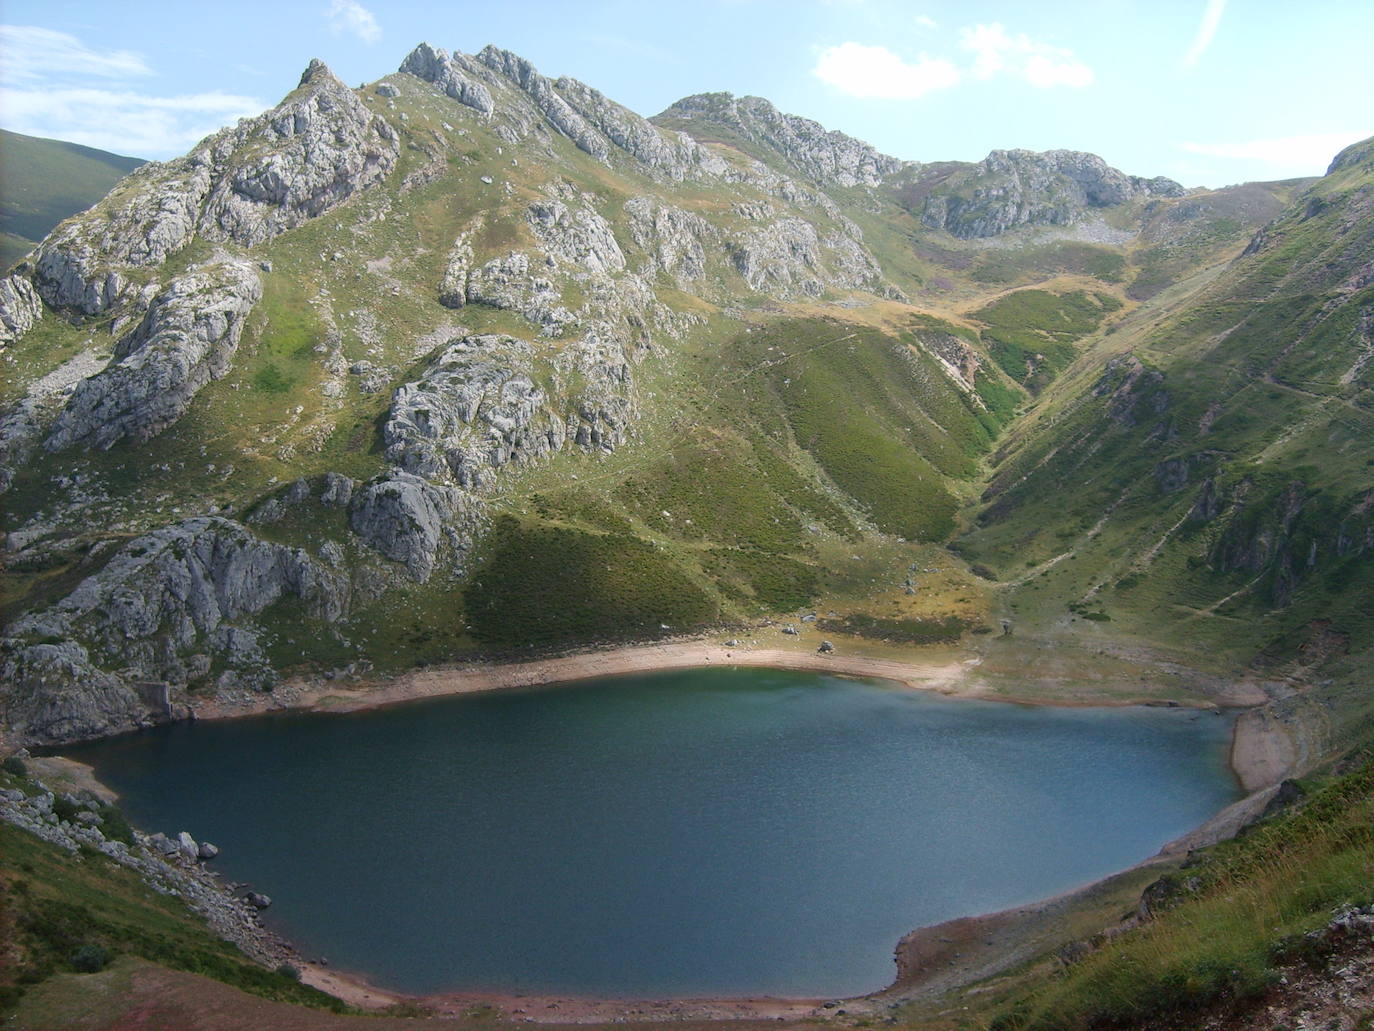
[[43, 181], [474, 360], [1205, 474]]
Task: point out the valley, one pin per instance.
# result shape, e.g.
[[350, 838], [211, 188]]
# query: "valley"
[[470, 379]]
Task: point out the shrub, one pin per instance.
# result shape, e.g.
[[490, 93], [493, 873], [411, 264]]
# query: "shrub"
[[14, 766], [90, 959]]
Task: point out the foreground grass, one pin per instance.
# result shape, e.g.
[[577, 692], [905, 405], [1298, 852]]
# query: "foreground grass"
[[57, 910], [1241, 913]]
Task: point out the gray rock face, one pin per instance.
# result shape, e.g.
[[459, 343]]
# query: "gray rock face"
[[404, 517], [20, 308], [187, 339], [476, 409], [448, 73], [674, 240], [603, 409], [781, 258], [675, 153], [580, 237], [318, 148], [57, 694], [244, 185], [152, 616], [827, 157], [338, 490], [1011, 188], [547, 99], [453, 288], [511, 283]]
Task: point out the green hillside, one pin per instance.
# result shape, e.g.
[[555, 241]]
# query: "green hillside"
[[43, 181]]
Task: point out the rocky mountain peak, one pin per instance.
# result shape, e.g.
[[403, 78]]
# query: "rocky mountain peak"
[[1356, 154], [315, 71], [1011, 188], [824, 155]]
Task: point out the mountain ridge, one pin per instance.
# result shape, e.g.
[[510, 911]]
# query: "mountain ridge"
[[598, 261]]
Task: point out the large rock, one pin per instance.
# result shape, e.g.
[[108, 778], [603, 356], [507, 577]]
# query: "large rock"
[[511, 282], [476, 409], [580, 237], [449, 73], [827, 157], [453, 288], [20, 308], [245, 185], [405, 517], [674, 240], [674, 153], [1011, 188], [316, 149], [547, 99], [187, 338], [163, 604]]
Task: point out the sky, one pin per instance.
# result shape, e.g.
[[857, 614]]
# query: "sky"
[[1208, 92]]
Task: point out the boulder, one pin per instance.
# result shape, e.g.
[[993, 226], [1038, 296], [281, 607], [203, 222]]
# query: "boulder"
[[187, 338]]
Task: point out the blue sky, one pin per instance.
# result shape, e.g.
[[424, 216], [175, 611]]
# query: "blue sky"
[[1208, 92]]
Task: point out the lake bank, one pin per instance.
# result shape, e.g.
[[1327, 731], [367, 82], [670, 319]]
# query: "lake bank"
[[1263, 752]]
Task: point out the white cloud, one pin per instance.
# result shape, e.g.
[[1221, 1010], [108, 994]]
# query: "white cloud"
[[925, 21], [33, 54], [351, 16], [52, 84], [123, 121], [877, 73], [997, 52], [1211, 19], [1283, 155]]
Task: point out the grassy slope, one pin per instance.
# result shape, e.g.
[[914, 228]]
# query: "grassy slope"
[[53, 903], [1250, 387], [43, 181]]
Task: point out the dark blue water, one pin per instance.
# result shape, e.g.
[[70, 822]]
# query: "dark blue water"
[[691, 833]]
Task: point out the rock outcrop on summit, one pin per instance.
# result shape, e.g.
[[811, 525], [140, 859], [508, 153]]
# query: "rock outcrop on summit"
[[243, 185], [828, 157], [1011, 188]]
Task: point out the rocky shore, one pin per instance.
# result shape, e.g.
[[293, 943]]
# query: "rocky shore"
[[176, 867]]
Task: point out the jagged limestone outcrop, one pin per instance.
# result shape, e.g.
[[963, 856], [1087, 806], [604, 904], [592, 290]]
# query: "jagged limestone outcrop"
[[1011, 188], [451, 73], [828, 157], [475, 409], [674, 240], [317, 148], [510, 282], [547, 99], [167, 609], [243, 185], [453, 288], [20, 308], [186, 339], [580, 237], [675, 153], [595, 124], [406, 518]]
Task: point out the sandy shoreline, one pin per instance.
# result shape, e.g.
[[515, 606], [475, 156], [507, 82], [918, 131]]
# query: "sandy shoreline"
[[1261, 752]]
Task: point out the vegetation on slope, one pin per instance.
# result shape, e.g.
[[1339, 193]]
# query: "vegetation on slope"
[[1232, 920], [1207, 468], [44, 182], [62, 912]]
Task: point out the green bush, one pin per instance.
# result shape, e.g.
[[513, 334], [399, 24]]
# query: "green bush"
[[90, 959], [14, 766]]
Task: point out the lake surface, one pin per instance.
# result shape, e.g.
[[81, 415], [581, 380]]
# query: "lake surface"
[[711, 832]]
